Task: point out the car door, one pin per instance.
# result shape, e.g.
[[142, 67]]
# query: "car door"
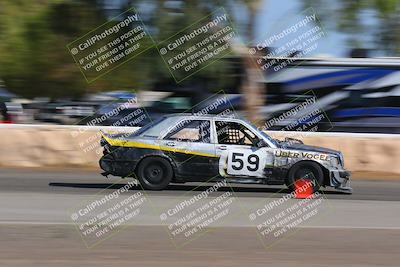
[[238, 151], [189, 144]]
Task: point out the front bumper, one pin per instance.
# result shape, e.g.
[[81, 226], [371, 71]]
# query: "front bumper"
[[340, 180]]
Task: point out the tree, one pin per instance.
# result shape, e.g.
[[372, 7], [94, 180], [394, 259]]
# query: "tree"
[[34, 60], [33, 56], [252, 91]]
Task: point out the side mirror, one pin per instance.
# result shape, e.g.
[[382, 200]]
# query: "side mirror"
[[261, 143]]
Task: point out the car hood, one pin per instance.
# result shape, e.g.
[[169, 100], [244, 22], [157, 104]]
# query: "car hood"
[[302, 147]]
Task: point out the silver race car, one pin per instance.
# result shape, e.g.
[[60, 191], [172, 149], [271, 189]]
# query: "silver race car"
[[193, 148]]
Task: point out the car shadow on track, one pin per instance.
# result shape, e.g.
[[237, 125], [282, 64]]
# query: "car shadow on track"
[[187, 188], [172, 187]]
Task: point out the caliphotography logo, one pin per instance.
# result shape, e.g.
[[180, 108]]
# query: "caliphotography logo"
[[110, 45]]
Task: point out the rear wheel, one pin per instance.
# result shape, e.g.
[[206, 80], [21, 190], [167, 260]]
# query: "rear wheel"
[[306, 171], [154, 173]]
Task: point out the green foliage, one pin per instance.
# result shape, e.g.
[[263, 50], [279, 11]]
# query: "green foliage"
[[34, 60], [33, 57]]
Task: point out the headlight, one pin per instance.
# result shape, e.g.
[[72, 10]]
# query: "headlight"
[[335, 161], [341, 158]]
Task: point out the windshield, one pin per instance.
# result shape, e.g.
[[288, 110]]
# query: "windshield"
[[266, 136], [157, 128]]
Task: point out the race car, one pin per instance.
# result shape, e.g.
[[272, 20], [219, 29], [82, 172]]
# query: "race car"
[[210, 148]]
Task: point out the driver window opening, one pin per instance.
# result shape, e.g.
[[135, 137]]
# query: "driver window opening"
[[232, 133]]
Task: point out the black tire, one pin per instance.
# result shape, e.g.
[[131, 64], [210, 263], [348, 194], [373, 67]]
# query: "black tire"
[[154, 173], [306, 171]]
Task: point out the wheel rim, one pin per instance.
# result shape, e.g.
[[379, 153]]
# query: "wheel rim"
[[304, 174], [154, 173]]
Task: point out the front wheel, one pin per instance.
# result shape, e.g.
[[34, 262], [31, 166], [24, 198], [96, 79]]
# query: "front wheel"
[[154, 173], [310, 171]]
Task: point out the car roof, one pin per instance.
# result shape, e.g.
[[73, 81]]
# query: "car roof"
[[205, 116]]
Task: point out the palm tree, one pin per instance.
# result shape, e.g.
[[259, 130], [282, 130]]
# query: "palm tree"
[[252, 91]]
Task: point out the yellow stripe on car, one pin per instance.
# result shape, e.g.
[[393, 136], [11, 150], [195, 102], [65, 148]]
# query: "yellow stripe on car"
[[126, 143]]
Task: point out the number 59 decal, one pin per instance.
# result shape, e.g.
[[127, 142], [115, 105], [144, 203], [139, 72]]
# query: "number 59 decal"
[[245, 163]]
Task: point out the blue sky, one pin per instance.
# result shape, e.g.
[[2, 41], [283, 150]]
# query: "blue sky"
[[277, 12]]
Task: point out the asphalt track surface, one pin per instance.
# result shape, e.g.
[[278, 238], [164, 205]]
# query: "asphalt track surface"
[[36, 229]]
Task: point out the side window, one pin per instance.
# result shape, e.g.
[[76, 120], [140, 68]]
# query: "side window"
[[232, 133], [190, 131]]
